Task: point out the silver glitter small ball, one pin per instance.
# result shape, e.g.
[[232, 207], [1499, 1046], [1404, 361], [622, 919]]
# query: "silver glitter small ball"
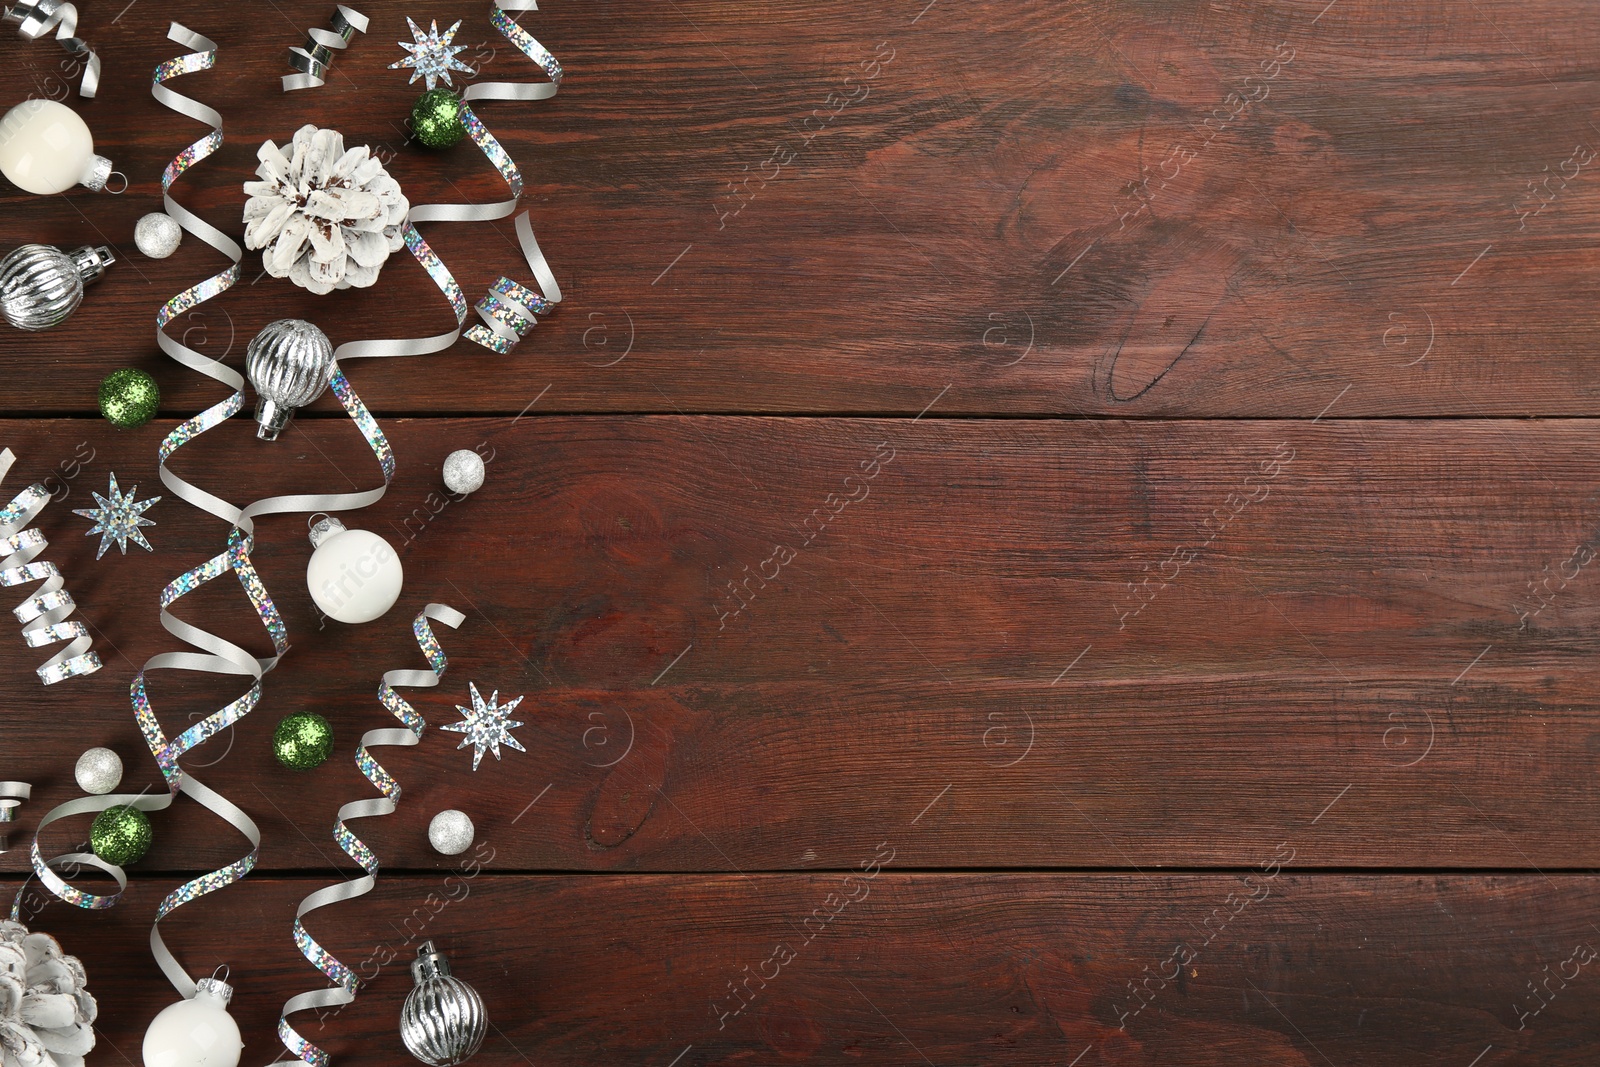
[[463, 471], [99, 771], [157, 235], [450, 832]]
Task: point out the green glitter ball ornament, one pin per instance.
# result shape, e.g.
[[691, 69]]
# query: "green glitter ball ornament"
[[436, 119], [129, 398], [302, 741], [120, 835]]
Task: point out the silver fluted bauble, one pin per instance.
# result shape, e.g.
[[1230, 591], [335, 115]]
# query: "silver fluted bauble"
[[40, 285], [157, 235], [289, 363], [463, 471], [99, 771], [443, 1021]]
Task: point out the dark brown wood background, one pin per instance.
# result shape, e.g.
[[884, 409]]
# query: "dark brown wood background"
[[1213, 597]]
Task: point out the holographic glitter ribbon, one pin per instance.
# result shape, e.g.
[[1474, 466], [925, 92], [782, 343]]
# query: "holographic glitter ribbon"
[[316, 57], [38, 17], [345, 981], [44, 614], [215, 655], [508, 309]]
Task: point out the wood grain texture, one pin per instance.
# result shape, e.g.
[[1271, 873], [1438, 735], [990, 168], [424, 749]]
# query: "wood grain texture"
[[1359, 626], [935, 199], [943, 969], [1004, 440]]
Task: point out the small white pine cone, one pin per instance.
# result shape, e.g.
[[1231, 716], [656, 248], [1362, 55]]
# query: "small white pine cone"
[[325, 218]]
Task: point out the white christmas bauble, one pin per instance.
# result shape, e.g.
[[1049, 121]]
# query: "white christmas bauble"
[[197, 1032], [354, 576], [99, 771], [157, 234], [46, 148], [450, 832], [463, 471]]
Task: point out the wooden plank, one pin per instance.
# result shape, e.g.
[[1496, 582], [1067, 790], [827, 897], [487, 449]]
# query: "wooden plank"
[[1346, 645], [1054, 209], [916, 969]]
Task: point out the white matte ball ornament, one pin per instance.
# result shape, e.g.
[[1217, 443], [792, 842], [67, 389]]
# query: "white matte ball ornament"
[[354, 576], [46, 148], [157, 235], [463, 471], [197, 1032], [450, 832], [99, 771]]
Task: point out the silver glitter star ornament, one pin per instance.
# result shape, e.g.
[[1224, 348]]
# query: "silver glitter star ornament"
[[432, 57], [119, 518], [487, 726]]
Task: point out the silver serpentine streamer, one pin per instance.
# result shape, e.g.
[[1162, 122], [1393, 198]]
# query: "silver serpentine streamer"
[[12, 794], [345, 981], [44, 614], [496, 333], [316, 57], [38, 17]]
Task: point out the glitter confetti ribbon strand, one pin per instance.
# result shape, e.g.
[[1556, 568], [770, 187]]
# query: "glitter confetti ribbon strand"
[[345, 981], [39, 17], [499, 333], [316, 57], [44, 615]]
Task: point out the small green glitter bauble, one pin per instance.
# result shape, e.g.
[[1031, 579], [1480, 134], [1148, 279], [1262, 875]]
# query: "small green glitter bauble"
[[120, 835], [129, 398], [302, 741], [436, 119]]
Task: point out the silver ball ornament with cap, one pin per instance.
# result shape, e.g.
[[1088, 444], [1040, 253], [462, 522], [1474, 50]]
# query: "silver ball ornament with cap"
[[444, 1021], [41, 286], [290, 363]]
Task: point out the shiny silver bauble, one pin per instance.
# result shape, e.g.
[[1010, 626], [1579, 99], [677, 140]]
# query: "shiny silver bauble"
[[289, 363], [40, 285], [443, 1022]]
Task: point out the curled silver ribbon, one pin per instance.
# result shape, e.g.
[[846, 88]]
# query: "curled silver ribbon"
[[12, 794], [316, 57], [36, 18], [503, 308], [44, 614], [345, 981], [510, 310], [216, 655]]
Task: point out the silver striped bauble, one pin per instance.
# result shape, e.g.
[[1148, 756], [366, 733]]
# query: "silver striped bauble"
[[40, 285], [289, 363], [443, 1022]]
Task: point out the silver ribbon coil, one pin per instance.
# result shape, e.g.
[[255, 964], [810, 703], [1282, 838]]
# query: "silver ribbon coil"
[[316, 57], [12, 794], [498, 333], [39, 17], [44, 614], [345, 980]]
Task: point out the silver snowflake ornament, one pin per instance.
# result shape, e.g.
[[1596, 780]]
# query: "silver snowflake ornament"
[[119, 518], [432, 57], [487, 726]]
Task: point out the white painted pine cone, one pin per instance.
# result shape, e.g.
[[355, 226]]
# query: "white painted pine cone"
[[325, 218], [46, 1014]]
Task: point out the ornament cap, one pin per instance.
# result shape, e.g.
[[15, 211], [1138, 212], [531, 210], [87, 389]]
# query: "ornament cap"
[[214, 990], [430, 963], [91, 261], [325, 528], [271, 418], [96, 174]]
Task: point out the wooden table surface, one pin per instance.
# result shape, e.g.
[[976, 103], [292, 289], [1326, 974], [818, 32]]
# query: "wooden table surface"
[[1073, 461]]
